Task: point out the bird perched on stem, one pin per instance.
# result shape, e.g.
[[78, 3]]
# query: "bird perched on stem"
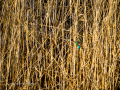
[[78, 44]]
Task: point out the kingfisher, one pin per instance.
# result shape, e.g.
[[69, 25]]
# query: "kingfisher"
[[78, 44]]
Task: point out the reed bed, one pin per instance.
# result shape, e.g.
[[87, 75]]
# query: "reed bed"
[[38, 49]]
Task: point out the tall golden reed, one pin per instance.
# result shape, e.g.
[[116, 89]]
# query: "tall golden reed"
[[38, 50]]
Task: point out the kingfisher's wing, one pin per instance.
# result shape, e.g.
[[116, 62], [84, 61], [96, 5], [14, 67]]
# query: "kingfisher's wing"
[[78, 46]]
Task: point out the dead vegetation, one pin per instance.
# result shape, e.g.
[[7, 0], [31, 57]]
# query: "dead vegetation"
[[38, 51]]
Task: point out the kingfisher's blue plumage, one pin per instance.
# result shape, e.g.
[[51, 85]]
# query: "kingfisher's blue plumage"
[[77, 43], [78, 46]]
